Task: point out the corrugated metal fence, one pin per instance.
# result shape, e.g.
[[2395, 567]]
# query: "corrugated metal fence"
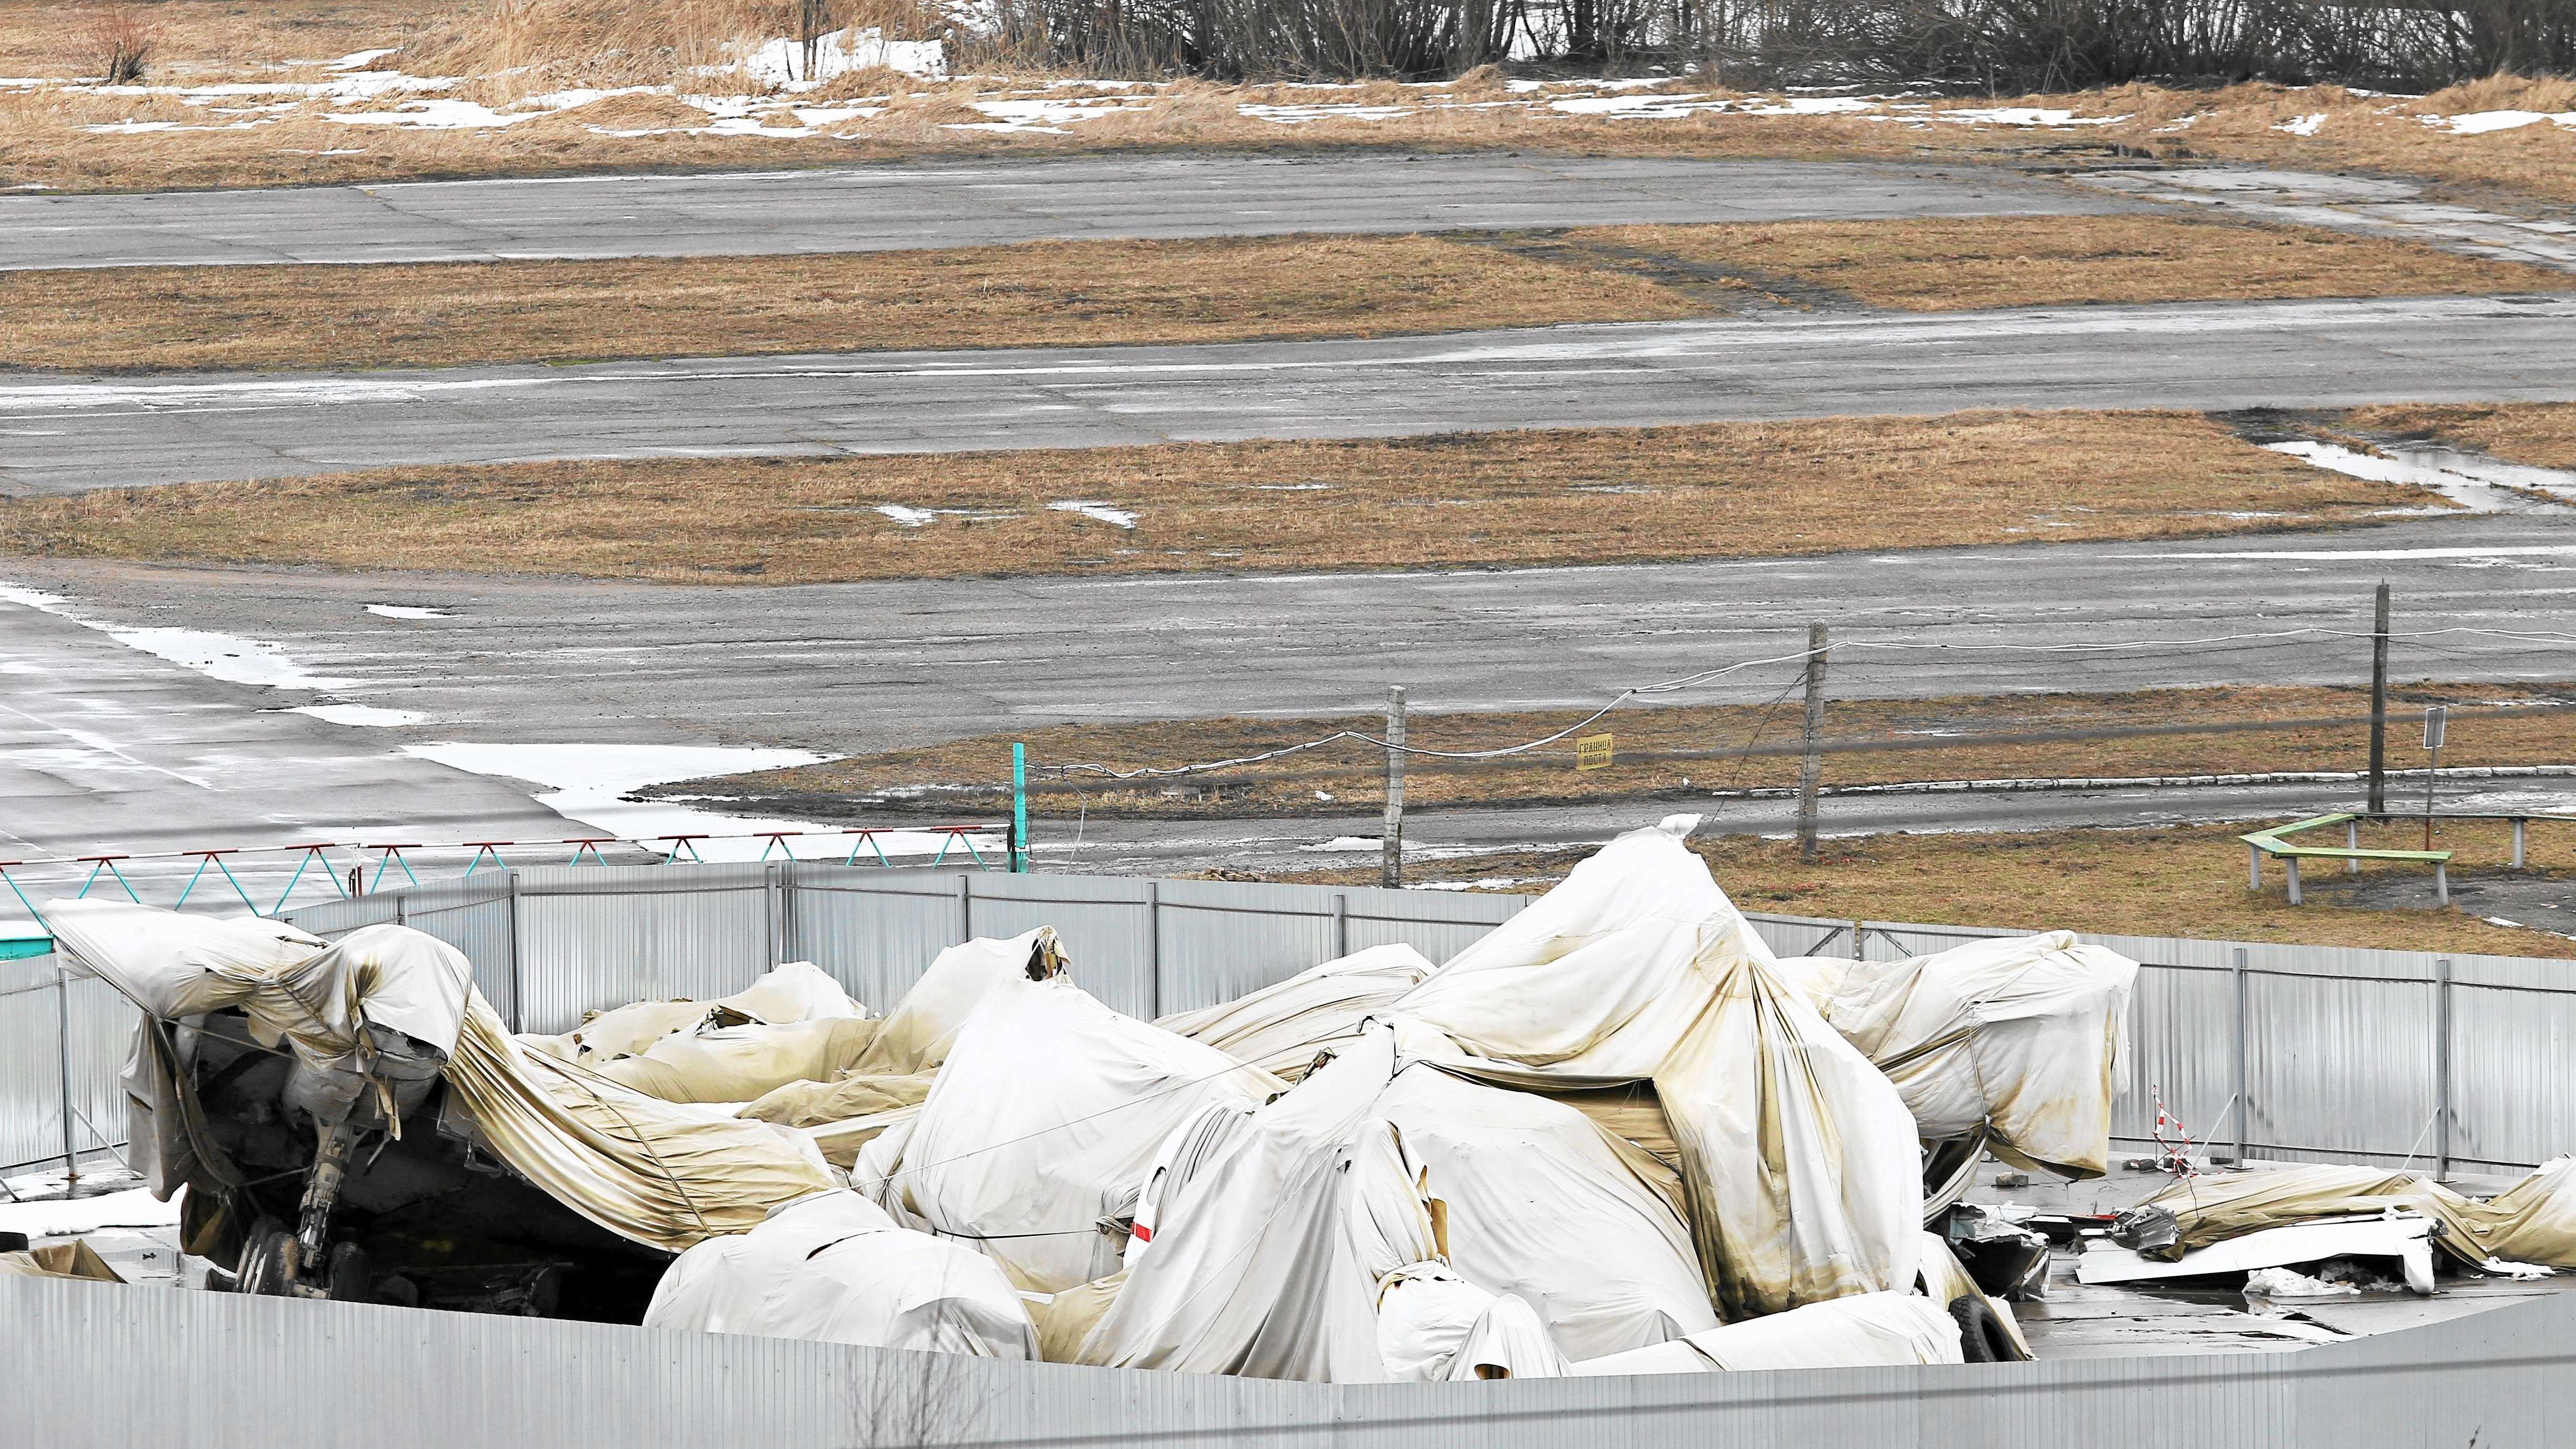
[[100, 1365], [2296, 1051]]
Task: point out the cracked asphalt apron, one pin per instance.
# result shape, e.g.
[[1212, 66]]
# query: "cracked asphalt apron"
[[70, 433], [872, 208]]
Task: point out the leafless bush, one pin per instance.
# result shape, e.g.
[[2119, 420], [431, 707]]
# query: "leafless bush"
[[1994, 45], [2046, 45], [115, 41]]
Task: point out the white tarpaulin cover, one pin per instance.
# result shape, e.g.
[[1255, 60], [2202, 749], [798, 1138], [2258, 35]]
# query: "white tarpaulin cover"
[[1273, 1231], [918, 1033], [794, 992], [1434, 1325], [1283, 1028], [741, 1063], [834, 1268], [2533, 1221], [295, 988], [1543, 1205], [1269, 1240], [1043, 1120], [2016, 1041], [1867, 1330], [1801, 1163], [649, 1170]]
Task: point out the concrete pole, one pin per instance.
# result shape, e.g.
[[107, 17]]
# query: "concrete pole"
[[1391, 872], [1811, 767], [2379, 706]]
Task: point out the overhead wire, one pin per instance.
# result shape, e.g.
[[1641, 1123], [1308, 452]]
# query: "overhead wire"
[[2125, 649]]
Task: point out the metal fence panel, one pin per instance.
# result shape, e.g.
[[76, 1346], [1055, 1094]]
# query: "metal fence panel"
[[2339, 1068], [1804, 935], [2182, 1034], [1438, 924], [1104, 922], [2498, 1379], [31, 1072], [101, 1036], [874, 930], [598, 937], [2511, 1053]]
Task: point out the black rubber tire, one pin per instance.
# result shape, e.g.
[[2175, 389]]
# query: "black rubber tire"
[[352, 1274], [268, 1262], [1982, 1338]]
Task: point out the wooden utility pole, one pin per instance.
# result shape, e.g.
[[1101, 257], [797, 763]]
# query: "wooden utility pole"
[[1391, 873], [1811, 766], [2379, 706]]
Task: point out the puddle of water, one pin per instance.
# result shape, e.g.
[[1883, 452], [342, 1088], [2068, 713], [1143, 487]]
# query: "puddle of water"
[[586, 784], [407, 611], [365, 715], [2473, 481]]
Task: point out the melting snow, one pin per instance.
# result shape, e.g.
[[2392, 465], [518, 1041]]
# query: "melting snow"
[[781, 61], [407, 611], [2478, 123], [586, 783], [130, 1209], [364, 715], [1089, 508], [2303, 125], [2480, 484]]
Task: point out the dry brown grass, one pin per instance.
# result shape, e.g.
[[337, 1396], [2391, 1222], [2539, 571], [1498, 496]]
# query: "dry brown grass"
[[1719, 738], [1947, 264], [1200, 290], [1079, 292], [1583, 495], [2187, 881], [2542, 435], [507, 48]]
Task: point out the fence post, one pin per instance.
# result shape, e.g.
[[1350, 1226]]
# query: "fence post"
[[2238, 971], [1341, 925], [965, 907], [2441, 1067], [1391, 867], [1811, 766], [1154, 949], [63, 1060], [1020, 809], [769, 893], [518, 987]]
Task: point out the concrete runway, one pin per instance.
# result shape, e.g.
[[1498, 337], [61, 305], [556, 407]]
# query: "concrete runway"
[[75, 433], [854, 667], [104, 747], [891, 207]]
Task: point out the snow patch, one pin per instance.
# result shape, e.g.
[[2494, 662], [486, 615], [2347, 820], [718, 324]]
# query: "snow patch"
[[365, 716], [1090, 508], [780, 61], [133, 1208], [2303, 125], [407, 611], [587, 783]]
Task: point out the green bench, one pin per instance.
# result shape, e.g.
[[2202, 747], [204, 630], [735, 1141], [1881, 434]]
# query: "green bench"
[[2273, 842]]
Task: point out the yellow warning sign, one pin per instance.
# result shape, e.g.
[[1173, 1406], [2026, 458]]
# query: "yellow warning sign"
[[1592, 752]]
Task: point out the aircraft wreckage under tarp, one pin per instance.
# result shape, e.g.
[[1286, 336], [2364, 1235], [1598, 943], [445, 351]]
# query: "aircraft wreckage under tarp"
[[1615, 1135]]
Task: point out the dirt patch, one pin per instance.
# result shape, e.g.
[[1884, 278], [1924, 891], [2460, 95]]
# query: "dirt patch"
[[2186, 881], [1668, 754], [1566, 496]]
